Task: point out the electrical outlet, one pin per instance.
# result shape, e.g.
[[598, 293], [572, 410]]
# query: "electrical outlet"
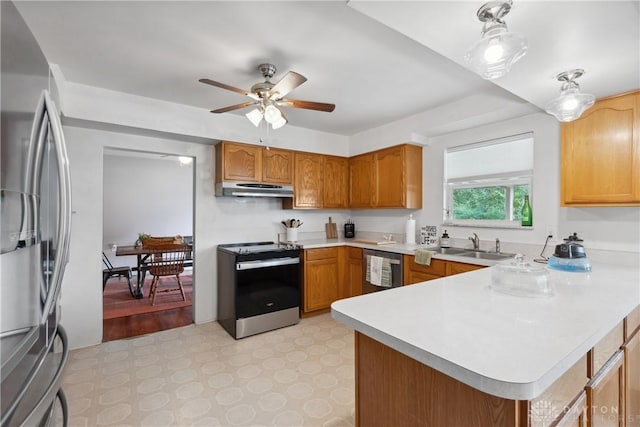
[[551, 233]]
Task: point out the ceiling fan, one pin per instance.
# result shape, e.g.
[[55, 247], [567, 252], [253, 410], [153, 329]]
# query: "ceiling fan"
[[268, 97]]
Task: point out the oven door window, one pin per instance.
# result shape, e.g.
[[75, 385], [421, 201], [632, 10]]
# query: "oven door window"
[[268, 289]]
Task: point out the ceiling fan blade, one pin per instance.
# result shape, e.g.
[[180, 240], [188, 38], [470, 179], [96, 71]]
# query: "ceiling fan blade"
[[309, 105], [227, 87], [234, 107], [289, 82]]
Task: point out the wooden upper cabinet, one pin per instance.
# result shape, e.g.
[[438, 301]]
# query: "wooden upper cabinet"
[[361, 181], [600, 162], [308, 185], [253, 163], [336, 182], [238, 162], [388, 178], [277, 166]]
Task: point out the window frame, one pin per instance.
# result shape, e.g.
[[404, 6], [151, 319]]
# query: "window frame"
[[509, 180]]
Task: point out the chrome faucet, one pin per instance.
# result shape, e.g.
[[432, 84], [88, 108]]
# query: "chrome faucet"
[[476, 241], [497, 245]]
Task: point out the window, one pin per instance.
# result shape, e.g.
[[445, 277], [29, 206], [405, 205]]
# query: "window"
[[485, 183]]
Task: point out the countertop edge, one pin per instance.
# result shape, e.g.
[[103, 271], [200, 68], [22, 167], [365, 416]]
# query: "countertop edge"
[[515, 391]]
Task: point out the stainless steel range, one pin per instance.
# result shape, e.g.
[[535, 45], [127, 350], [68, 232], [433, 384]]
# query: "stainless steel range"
[[258, 287]]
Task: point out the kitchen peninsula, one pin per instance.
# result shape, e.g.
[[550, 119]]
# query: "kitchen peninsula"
[[452, 351]]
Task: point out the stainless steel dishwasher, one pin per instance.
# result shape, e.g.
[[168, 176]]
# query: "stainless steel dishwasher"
[[395, 264]]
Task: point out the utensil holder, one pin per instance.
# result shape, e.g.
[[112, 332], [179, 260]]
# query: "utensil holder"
[[292, 234]]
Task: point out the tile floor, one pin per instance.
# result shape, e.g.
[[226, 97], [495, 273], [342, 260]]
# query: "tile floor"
[[197, 375]]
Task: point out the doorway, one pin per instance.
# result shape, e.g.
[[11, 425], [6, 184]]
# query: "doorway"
[[144, 193]]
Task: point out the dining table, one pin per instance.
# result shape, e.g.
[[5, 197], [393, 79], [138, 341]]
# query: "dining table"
[[142, 257]]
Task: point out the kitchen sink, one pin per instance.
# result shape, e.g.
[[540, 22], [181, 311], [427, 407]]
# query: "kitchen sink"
[[450, 251], [486, 255]]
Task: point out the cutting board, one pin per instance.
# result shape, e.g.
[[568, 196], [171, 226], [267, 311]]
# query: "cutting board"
[[331, 229], [375, 242]]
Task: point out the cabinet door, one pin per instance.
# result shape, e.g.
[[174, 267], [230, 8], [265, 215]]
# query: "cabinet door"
[[354, 272], [336, 182], [241, 162], [460, 267], [309, 180], [632, 377], [574, 415], [605, 394], [277, 166], [600, 163], [361, 181], [389, 178], [321, 283]]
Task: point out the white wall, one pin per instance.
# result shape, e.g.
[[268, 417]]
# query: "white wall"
[[144, 195]]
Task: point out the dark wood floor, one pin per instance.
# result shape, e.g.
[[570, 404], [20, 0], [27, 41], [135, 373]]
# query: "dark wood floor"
[[141, 324]]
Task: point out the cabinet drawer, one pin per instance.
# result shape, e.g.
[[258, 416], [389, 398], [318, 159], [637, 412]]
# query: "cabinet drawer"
[[437, 267], [323, 253], [602, 351], [632, 323]]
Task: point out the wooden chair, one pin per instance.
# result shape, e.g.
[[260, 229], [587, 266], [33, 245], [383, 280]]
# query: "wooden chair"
[[111, 271], [167, 260]]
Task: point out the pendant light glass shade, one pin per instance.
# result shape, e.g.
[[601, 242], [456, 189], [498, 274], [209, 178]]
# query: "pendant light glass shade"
[[493, 55], [272, 114], [571, 103]]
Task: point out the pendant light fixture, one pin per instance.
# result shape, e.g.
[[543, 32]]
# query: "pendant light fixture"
[[571, 103], [493, 55]]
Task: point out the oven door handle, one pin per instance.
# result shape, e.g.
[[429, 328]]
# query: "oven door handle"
[[264, 263]]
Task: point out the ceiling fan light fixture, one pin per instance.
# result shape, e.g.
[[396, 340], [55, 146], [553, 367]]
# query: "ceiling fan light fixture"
[[571, 103], [255, 116], [272, 114], [493, 55], [279, 123]]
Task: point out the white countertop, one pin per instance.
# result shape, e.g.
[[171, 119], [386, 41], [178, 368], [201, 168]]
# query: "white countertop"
[[508, 346]]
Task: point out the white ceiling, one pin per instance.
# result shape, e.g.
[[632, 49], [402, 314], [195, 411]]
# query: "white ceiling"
[[373, 73]]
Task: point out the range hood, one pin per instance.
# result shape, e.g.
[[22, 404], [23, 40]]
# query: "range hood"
[[252, 189]]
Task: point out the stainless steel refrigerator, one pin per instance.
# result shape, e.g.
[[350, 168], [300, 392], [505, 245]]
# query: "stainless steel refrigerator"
[[34, 231]]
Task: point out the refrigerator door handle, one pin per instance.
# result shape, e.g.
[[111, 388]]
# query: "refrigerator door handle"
[[64, 220]]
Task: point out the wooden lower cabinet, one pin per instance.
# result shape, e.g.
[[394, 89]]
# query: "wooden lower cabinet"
[[393, 389], [416, 273], [605, 394], [330, 274], [574, 415], [632, 377], [354, 272], [461, 267], [321, 278]]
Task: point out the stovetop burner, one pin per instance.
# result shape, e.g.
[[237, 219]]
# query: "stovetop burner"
[[259, 247]]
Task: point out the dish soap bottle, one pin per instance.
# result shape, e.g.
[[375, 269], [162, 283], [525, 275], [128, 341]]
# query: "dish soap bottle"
[[444, 240], [527, 213]]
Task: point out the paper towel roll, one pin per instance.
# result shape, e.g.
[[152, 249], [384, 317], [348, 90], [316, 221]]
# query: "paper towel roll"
[[410, 231]]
